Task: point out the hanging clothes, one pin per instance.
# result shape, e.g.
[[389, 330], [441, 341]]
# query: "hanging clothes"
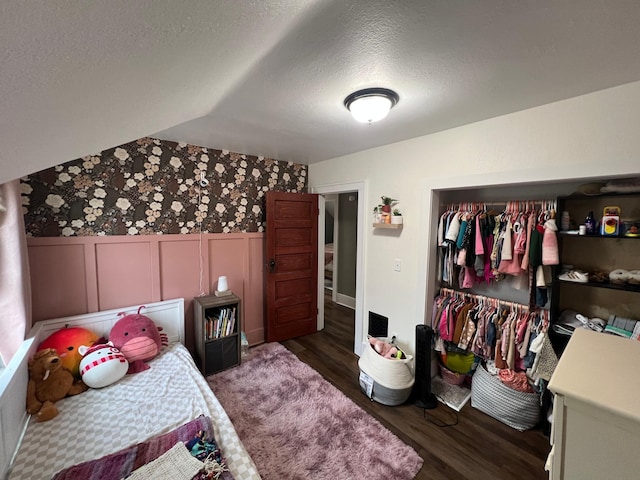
[[488, 328], [480, 246]]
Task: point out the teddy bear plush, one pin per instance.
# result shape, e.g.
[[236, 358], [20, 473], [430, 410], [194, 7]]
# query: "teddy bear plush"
[[49, 381]]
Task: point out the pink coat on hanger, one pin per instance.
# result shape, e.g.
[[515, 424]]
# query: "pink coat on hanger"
[[550, 243]]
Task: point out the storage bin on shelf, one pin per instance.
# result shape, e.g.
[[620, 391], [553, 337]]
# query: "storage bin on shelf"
[[387, 381]]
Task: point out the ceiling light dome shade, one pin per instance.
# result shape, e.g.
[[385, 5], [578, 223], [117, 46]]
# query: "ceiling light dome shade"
[[371, 104]]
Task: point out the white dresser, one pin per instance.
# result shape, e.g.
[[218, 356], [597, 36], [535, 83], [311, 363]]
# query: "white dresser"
[[595, 432]]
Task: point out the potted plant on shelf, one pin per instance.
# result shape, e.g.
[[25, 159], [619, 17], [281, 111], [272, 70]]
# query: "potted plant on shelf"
[[387, 203], [396, 218]]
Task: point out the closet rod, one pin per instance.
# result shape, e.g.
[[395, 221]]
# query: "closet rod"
[[455, 293], [547, 204], [512, 206]]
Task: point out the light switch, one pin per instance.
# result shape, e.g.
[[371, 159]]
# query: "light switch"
[[397, 265]]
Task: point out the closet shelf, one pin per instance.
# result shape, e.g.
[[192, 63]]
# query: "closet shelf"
[[395, 226], [608, 237], [612, 286]]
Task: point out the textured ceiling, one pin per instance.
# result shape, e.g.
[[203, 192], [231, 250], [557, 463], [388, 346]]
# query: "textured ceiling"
[[269, 77]]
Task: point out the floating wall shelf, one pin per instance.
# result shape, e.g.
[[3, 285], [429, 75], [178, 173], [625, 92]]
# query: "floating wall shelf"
[[395, 226]]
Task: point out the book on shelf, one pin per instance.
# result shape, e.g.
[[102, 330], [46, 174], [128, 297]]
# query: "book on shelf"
[[228, 328], [233, 321], [221, 324]]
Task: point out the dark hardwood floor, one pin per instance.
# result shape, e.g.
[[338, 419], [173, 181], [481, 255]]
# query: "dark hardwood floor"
[[477, 448]]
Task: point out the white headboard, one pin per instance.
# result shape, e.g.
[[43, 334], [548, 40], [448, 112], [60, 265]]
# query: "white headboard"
[[168, 314], [14, 378]]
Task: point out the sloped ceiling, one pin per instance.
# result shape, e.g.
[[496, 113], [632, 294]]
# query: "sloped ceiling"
[[269, 77]]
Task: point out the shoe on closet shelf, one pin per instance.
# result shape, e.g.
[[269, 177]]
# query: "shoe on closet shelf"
[[619, 276], [568, 322], [583, 320], [634, 277], [574, 276], [597, 324], [599, 277]]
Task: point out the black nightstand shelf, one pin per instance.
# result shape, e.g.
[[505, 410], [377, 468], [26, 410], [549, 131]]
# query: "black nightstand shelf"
[[217, 327]]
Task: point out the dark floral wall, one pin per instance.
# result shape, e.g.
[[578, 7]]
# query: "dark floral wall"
[[152, 186]]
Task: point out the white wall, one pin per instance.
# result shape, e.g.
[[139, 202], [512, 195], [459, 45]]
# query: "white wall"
[[595, 135]]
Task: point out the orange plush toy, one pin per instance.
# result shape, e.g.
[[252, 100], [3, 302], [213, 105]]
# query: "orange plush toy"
[[49, 381], [67, 341]]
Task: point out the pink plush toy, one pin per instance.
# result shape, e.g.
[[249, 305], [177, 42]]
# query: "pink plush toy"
[[138, 338], [383, 348]]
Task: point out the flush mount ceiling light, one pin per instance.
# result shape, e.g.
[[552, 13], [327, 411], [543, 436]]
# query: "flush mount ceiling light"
[[371, 104]]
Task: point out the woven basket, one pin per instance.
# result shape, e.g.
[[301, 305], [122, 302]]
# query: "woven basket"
[[454, 378], [519, 410]]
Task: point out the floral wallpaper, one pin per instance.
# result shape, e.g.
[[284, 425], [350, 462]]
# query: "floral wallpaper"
[[152, 186]]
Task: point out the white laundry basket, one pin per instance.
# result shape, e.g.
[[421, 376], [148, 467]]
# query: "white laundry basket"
[[387, 381]]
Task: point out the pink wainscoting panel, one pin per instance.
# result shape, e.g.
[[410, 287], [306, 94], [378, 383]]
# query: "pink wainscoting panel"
[[124, 274], [228, 257], [74, 275], [180, 266], [58, 285], [254, 307]]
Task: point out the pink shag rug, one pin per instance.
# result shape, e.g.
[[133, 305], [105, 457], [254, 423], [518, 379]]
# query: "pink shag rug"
[[296, 425]]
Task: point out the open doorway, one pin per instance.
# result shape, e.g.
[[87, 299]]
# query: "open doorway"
[[340, 244], [340, 247], [330, 228], [340, 228]]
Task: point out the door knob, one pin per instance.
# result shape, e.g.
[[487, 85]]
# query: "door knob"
[[272, 265]]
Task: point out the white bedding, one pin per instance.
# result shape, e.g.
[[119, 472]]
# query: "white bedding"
[[136, 408]]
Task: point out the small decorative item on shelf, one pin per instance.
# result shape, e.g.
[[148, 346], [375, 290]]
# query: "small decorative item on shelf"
[[396, 218], [590, 224], [631, 228], [377, 214], [223, 287], [610, 224]]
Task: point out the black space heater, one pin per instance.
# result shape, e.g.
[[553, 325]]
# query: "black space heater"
[[422, 394]]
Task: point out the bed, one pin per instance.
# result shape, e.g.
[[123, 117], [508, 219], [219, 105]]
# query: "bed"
[[99, 422]]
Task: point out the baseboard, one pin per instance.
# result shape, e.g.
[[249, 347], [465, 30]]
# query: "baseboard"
[[346, 301]]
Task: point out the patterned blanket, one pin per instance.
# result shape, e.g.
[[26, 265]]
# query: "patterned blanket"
[[120, 464], [135, 409]]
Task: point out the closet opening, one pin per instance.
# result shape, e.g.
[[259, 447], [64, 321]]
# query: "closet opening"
[[493, 196]]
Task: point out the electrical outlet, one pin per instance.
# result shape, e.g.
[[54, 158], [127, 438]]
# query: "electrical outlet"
[[397, 265]]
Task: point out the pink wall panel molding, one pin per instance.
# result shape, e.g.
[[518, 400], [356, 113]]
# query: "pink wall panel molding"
[[76, 275]]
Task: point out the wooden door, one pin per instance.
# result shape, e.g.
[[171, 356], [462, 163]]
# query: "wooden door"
[[292, 265]]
